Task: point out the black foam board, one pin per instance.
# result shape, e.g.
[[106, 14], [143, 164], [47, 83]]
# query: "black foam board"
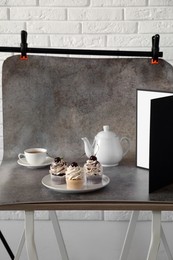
[[161, 143]]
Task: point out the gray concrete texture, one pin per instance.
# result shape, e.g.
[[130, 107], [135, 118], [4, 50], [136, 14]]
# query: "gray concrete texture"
[[52, 102]]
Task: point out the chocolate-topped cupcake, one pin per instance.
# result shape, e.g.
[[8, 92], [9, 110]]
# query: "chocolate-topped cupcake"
[[93, 170], [57, 171], [74, 176]]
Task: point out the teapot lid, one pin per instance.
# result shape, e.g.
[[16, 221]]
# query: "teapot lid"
[[106, 133]]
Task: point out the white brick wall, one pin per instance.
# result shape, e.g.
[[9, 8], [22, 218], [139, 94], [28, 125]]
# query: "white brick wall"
[[91, 24]]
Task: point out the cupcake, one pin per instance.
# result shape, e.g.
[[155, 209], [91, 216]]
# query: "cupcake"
[[57, 171], [74, 177], [93, 170]]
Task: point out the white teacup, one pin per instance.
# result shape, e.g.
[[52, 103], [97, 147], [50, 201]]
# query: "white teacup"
[[34, 156]]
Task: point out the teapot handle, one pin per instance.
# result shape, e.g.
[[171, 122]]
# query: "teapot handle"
[[128, 144]]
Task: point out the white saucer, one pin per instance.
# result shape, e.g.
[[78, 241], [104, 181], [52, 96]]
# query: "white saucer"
[[47, 162], [46, 181]]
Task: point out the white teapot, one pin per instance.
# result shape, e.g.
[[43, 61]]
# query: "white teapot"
[[107, 147]]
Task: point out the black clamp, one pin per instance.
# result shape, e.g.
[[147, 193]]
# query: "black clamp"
[[23, 45], [155, 49]]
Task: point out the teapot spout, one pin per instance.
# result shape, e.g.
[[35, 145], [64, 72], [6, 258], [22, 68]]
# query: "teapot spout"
[[87, 147]]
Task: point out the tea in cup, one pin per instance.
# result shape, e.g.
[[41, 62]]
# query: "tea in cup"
[[34, 156]]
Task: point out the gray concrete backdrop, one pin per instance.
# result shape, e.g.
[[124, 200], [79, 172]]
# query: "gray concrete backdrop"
[[54, 101]]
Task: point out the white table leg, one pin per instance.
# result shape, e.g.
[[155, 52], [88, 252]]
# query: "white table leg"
[[58, 234], [129, 235], [20, 247], [168, 252], [29, 235], [155, 235]]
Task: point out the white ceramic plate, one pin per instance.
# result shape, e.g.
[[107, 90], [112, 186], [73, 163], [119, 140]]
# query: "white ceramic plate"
[[23, 162], [46, 181]]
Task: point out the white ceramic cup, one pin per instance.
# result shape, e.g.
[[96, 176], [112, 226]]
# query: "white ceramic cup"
[[34, 156]]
